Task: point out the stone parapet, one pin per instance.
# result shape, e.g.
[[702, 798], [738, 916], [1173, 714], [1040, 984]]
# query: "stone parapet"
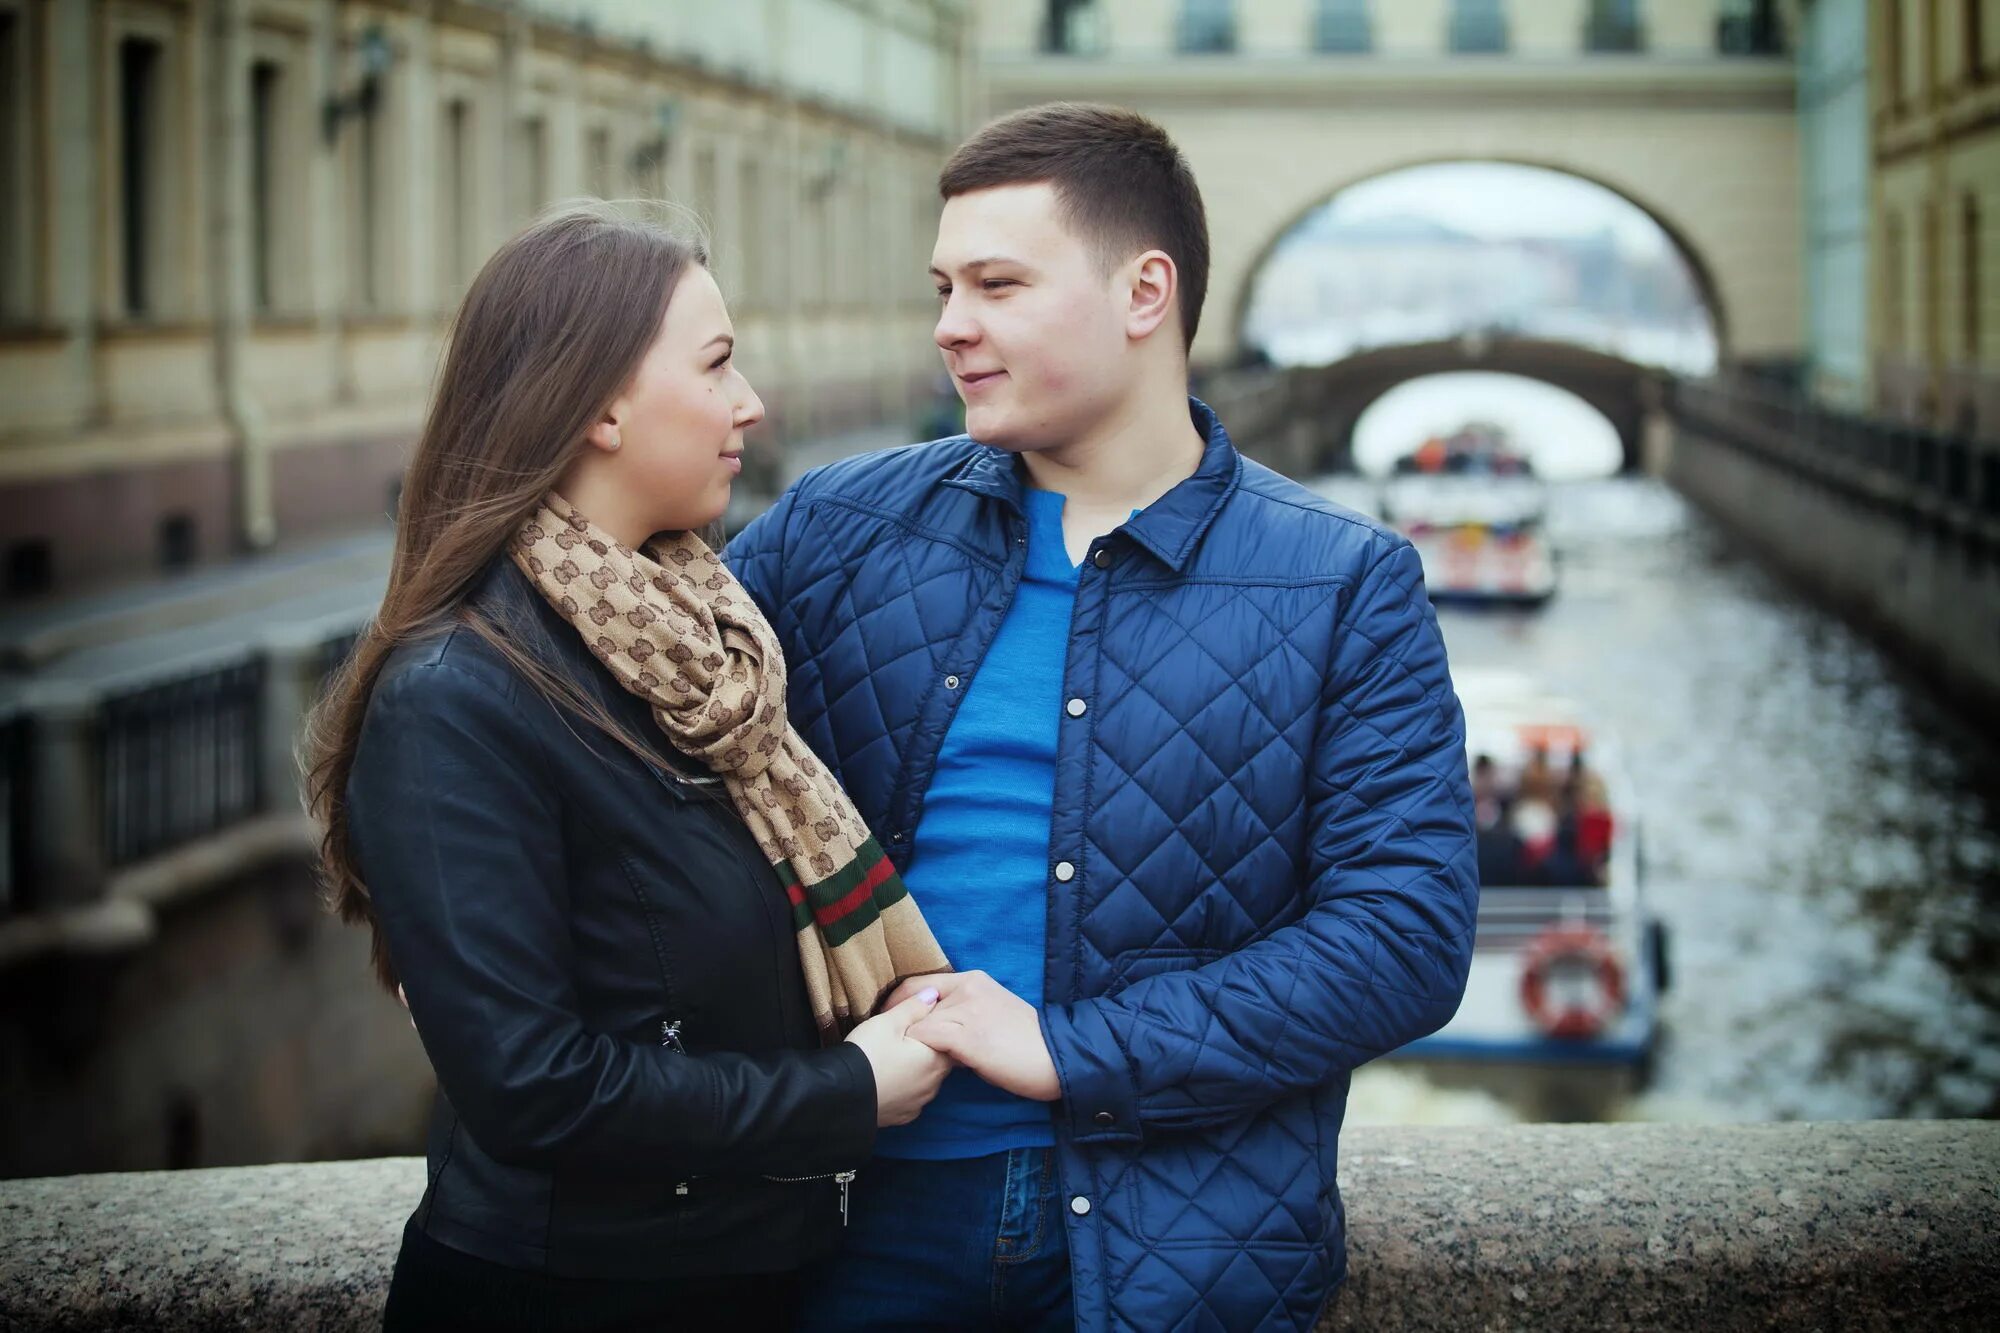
[[1546, 1227]]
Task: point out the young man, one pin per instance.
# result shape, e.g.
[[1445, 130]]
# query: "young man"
[[1165, 746]]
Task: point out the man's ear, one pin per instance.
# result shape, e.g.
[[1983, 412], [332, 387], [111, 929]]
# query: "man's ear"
[[1151, 289]]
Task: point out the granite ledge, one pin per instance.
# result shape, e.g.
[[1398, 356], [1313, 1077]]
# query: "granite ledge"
[[1544, 1227]]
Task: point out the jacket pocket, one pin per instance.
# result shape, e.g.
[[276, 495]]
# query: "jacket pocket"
[[1138, 964]]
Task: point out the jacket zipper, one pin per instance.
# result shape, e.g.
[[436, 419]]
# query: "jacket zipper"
[[670, 1037], [845, 1178]]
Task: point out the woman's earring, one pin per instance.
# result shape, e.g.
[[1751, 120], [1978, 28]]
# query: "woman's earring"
[[615, 442]]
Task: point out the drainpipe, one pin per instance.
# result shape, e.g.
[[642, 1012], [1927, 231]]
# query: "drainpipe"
[[229, 271]]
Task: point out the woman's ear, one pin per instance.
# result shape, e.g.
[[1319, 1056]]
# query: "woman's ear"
[[604, 434]]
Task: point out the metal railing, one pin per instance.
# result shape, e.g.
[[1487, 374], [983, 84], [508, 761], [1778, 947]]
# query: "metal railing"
[[332, 654], [15, 756], [181, 760], [1947, 483]]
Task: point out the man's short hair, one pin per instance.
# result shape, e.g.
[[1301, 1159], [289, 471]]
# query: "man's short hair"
[[1121, 184]]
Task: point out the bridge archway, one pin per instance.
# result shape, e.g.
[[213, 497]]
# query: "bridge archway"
[[1701, 271], [1511, 266], [1337, 395]]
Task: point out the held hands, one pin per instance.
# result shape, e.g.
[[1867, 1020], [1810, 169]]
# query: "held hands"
[[907, 1072], [987, 1028]]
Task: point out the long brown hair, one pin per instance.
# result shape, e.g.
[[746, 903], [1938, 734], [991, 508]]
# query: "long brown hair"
[[550, 332]]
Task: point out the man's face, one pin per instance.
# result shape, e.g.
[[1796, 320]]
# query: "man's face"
[[1031, 327]]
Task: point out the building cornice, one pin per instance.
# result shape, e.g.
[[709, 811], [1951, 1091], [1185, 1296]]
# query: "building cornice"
[[1445, 83]]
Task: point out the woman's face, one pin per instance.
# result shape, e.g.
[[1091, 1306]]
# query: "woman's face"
[[680, 422]]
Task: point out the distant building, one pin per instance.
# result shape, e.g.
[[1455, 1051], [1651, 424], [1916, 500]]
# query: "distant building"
[[1835, 143], [231, 231], [1686, 108], [1934, 129]]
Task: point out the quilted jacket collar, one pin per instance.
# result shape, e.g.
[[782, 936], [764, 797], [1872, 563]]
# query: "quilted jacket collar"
[[1172, 526]]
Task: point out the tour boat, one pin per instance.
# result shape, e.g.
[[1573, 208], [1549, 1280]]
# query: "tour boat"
[[1561, 1010], [1480, 537]]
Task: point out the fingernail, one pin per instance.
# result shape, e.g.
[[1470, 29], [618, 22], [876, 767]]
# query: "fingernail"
[[927, 995]]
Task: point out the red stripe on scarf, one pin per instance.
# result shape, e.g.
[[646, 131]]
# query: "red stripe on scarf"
[[860, 894]]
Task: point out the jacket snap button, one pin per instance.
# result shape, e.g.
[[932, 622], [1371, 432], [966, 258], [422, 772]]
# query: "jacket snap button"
[[1105, 1118], [951, 682], [1076, 707], [1102, 559], [1079, 1205], [1065, 871]]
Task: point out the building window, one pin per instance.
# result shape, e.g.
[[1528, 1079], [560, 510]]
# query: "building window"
[[531, 162], [1477, 27], [1207, 26], [753, 259], [1614, 25], [707, 190], [139, 118], [817, 211], [1969, 275], [647, 166], [1073, 27], [264, 110], [1343, 26], [455, 184], [179, 545], [1931, 270], [364, 209], [31, 567], [16, 298], [1751, 28], [924, 216], [1892, 49], [597, 162], [1893, 282]]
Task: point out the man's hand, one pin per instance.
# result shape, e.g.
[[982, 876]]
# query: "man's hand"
[[987, 1028]]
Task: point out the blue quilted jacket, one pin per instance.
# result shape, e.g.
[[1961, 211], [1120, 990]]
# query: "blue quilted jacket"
[[1261, 866]]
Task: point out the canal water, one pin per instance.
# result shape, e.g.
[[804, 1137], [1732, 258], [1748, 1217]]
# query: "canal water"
[[1822, 839]]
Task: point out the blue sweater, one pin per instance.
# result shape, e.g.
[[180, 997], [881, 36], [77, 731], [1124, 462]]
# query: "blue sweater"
[[979, 865]]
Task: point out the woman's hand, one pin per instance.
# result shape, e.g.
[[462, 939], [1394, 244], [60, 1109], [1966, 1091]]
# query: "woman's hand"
[[907, 1072]]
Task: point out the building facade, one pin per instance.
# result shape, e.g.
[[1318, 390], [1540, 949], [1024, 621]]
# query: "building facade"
[[232, 231], [1934, 132], [1686, 108], [1834, 141]]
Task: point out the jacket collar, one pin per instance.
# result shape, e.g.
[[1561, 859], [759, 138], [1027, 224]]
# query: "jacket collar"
[[1171, 527], [517, 605]]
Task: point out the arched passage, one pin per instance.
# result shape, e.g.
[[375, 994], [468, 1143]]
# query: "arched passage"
[[1453, 266], [1563, 436], [1336, 395], [1532, 173]]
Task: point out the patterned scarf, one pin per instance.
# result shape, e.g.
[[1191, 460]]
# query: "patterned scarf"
[[677, 629]]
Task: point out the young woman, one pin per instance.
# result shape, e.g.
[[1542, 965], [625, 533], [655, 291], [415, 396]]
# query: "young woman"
[[631, 913]]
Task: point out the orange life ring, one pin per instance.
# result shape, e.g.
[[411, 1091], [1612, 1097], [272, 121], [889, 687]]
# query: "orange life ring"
[[1560, 944]]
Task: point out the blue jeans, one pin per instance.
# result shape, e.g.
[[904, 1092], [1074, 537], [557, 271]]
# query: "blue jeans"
[[970, 1244]]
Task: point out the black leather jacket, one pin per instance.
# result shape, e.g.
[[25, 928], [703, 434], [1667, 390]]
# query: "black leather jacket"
[[601, 965]]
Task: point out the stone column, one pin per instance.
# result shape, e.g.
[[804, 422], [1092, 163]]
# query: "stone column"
[[229, 268], [75, 195]]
